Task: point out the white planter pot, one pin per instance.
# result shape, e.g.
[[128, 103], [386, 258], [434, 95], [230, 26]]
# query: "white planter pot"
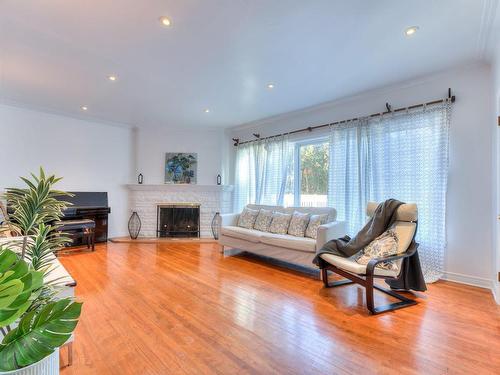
[[47, 366]]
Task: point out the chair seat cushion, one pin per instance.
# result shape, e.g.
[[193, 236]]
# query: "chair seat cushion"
[[246, 234], [350, 265], [289, 242]]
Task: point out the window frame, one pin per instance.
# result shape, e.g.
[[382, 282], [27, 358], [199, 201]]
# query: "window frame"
[[297, 181]]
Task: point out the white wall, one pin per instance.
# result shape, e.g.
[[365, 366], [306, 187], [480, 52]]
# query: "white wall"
[[470, 192], [151, 146], [90, 156], [496, 185]]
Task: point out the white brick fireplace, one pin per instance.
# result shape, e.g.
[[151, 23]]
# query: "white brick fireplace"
[[144, 199]]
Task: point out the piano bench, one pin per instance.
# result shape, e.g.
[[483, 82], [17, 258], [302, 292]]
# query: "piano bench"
[[85, 226]]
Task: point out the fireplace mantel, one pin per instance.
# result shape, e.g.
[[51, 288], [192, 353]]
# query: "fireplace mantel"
[[180, 187]]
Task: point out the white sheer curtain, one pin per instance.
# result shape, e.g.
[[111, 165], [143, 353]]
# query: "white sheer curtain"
[[402, 156], [261, 173]]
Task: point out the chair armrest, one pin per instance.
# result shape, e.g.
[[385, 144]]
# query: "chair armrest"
[[370, 268], [330, 231], [229, 219]]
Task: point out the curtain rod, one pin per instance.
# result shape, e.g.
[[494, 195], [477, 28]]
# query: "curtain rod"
[[389, 109]]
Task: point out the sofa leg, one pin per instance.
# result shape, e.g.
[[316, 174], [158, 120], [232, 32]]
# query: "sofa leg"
[[221, 249]]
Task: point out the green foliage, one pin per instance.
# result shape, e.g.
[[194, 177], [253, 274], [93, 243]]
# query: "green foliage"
[[45, 240], [39, 334], [33, 210], [43, 323], [19, 286], [314, 161], [36, 204]]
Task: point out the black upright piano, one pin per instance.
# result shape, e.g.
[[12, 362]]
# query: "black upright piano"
[[89, 205]]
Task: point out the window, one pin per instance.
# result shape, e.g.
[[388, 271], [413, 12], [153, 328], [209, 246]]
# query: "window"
[[310, 188], [402, 155]]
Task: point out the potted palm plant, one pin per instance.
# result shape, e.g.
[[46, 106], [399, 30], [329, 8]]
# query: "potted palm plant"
[[33, 322]]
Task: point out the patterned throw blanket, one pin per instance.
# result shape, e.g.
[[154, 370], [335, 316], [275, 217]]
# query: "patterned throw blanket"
[[411, 276], [346, 246]]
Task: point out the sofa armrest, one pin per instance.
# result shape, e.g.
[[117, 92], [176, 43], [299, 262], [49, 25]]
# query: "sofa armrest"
[[330, 231], [229, 219]]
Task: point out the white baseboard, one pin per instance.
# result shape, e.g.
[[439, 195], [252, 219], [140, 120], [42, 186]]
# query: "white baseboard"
[[467, 279], [496, 292], [474, 281]]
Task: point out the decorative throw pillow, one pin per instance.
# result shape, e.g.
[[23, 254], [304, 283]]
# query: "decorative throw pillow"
[[280, 223], [263, 220], [247, 218], [298, 224], [314, 222], [384, 245]]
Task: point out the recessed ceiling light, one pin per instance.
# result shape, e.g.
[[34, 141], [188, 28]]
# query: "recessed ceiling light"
[[270, 86], [165, 21], [207, 110], [112, 77], [411, 30], [84, 108]]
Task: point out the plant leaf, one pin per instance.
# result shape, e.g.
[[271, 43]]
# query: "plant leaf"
[[38, 334]]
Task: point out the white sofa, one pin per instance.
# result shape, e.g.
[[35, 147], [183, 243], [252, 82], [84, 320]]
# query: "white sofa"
[[295, 250]]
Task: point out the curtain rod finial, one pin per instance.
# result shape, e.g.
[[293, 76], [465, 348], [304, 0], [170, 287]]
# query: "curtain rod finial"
[[451, 97], [388, 107], [236, 141]]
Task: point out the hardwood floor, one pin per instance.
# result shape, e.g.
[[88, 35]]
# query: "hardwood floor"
[[186, 309]]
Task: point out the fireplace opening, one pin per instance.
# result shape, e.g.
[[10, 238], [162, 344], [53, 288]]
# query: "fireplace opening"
[[178, 220]]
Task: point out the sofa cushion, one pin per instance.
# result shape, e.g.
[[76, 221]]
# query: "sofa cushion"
[[289, 242], [350, 265], [298, 224], [246, 234], [314, 222], [280, 223], [247, 218], [263, 220]]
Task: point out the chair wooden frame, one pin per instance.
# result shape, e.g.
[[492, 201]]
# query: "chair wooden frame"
[[367, 280]]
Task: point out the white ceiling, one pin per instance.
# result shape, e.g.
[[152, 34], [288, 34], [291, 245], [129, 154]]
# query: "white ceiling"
[[55, 55]]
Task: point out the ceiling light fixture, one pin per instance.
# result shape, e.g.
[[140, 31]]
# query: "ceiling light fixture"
[[165, 21], [411, 30], [207, 110], [112, 77], [270, 86], [84, 108]]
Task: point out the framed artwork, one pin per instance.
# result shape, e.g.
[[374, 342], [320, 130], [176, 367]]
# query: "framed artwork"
[[180, 168]]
